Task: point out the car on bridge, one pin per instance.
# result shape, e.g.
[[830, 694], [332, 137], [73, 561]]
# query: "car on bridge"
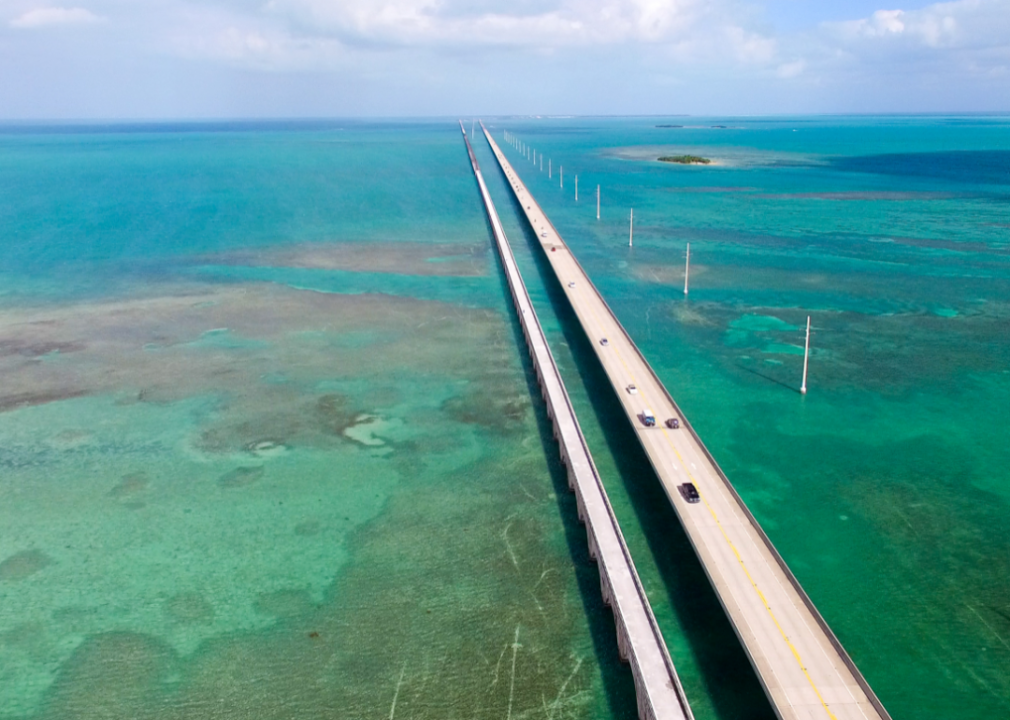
[[604, 342], [672, 423], [632, 390], [689, 492], [648, 419]]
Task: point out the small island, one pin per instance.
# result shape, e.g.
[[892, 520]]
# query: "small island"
[[685, 159]]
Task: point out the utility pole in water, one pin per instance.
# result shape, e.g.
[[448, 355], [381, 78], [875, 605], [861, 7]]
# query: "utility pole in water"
[[631, 228], [687, 267], [576, 188], [597, 202], [806, 356]]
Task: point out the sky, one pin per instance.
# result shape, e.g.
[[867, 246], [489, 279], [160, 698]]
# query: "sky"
[[146, 59]]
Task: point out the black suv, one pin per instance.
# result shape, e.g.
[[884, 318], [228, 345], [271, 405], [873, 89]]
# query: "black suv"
[[689, 492]]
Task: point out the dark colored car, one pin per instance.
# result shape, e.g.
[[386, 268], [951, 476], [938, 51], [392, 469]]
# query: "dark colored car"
[[689, 492], [673, 423], [603, 342]]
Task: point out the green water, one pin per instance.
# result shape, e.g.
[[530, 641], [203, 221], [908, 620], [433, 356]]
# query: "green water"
[[267, 486], [270, 445], [886, 487]]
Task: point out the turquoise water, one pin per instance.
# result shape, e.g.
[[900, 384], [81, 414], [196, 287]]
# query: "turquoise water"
[[269, 446], [267, 439], [886, 487]]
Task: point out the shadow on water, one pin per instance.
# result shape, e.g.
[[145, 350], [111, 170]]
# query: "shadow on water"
[[732, 685], [769, 378], [618, 683]]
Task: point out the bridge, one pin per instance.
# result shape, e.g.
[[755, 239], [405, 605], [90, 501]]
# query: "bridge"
[[804, 669], [640, 643]]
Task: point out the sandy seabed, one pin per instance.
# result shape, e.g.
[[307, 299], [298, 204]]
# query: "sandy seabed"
[[246, 498]]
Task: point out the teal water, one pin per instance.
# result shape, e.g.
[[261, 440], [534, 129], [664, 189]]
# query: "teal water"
[[886, 487], [269, 446], [267, 441]]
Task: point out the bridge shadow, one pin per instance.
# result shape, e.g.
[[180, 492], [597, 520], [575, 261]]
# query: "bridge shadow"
[[618, 683], [732, 686]]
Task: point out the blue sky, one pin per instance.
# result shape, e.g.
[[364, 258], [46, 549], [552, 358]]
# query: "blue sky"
[[66, 59]]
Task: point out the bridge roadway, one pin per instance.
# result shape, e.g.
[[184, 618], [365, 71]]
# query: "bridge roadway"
[[658, 689], [805, 671]]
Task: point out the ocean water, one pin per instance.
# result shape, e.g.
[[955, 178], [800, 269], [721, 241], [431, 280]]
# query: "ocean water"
[[267, 441], [269, 445], [886, 488]]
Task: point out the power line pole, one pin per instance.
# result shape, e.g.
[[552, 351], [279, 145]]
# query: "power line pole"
[[806, 357], [687, 267]]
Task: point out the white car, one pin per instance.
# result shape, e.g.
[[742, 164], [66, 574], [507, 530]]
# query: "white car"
[[632, 390]]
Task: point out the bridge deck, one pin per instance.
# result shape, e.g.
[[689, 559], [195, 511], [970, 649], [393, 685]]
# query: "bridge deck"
[[805, 671], [660, 696]]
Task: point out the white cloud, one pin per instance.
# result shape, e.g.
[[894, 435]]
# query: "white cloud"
[[960, 24], [286, 34], [262, 50], [880, 24], [445, 23], [727, 50], [205, 32], [716, 33], [936, 47], [791, 69], [47, 16], [750, 48]]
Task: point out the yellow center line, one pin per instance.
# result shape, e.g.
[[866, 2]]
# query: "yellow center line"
[[750, 578], [591, 306]]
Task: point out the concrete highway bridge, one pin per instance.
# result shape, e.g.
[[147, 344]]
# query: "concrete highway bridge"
[[639, 640]]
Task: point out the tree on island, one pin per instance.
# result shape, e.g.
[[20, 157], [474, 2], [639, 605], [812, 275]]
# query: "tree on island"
[[685, 159]]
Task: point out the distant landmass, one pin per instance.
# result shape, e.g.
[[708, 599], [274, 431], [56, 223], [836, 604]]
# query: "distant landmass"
[[669, 126], [685, 159]]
